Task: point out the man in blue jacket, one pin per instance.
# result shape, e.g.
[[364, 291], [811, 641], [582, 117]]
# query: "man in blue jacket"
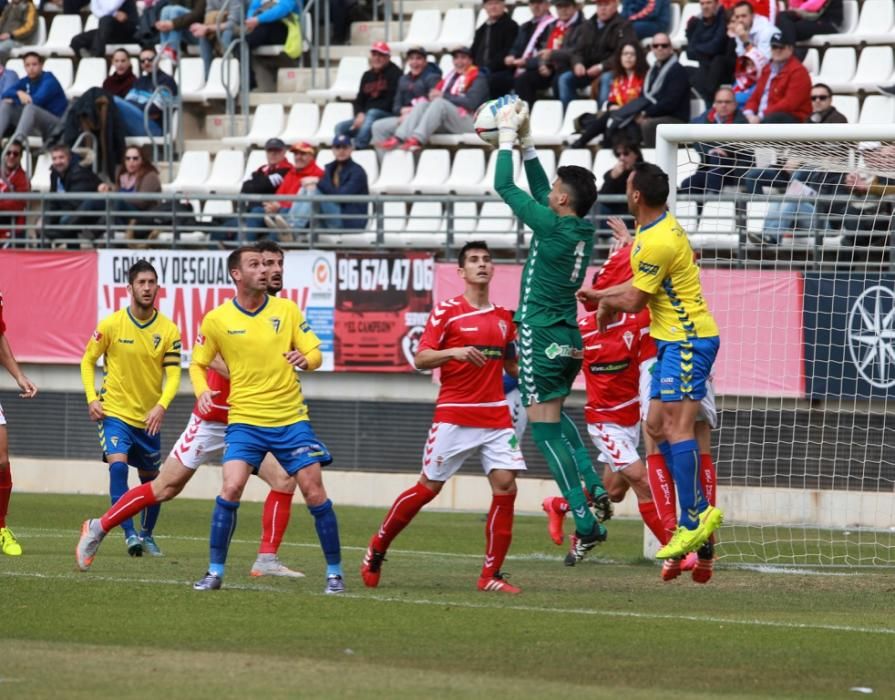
[[35, 104], [709, 45], [264, 24], [132, 106]]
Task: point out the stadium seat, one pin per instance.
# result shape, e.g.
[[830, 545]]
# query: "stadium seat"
[[39, 40], [548, 163], [302, 122], [838, 68], [575, 109], [256, 159], [40, 176], [874, 67], [874, 24], [687, 162], [465, 220], [62, 30], [92, 22], [496, 225], [397, 171], [333, 113], [425, 224], [346, 82], [685, 213], [546, 121], [469, 138], [193, 170], [877, 109], [432, 172], [717, 217], [17, 65], [844, 36], [486, 186], [679, 36], [467, 171], [812, 64], [173, 130], [226, 171], [446, 63], [91, 73], [267, 122], [324, 157], [588, 10], [215, 208], [190, 78], [457, 29], [62, 69], [848, 106], [756, 212], [425, 26], [675, 19], [603, 161], [216, 87], [521, 14], [369, 162]]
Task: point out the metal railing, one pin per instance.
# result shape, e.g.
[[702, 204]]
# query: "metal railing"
[[237, 43]]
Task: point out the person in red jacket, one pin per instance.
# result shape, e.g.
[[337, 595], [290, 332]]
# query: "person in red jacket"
[[13, 178], [305, 157], [783, 92]]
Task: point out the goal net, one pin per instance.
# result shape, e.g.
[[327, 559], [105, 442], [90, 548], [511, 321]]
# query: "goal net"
[[794, 228]]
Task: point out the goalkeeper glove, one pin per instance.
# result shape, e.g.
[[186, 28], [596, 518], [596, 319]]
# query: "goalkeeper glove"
[[525, 139], [508, 120]]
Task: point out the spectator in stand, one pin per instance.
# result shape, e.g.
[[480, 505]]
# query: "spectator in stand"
[[720, 165], [783, 92], [341, 177], [649, 17], [18, 26], [492, 42], [822, 109], [173, 20], [763, 8], [666, 92], [746, 72], [414, 87], [223, 11], [67, 177], [868, 219], [375, 97], [117, 24], [805, 18], [450, 108], [264, 24], [35, 104], [555, 58], [134, 104], [599, 41], [629, 67], [122, 78], [615, 181], [8, 78], [136, 174], [708, 45], [751, 30], [13, 178], [306, 171], [530, 40]]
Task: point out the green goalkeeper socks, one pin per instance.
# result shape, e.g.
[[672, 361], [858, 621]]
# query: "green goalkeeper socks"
[[585, 466], [550, 441]]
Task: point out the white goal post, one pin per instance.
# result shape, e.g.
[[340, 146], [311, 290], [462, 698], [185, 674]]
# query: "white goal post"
[[795, 240]]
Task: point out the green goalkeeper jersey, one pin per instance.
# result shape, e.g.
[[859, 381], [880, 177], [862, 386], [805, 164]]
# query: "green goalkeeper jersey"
[[560, 249]]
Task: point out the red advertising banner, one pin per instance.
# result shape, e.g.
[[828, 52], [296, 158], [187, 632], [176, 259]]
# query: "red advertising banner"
[[759, 313], [49, 303], [382, 302]]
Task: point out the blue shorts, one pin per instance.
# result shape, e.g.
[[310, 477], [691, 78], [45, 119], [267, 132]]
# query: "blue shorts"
[[144, 451], [295, 446], [682, 368]]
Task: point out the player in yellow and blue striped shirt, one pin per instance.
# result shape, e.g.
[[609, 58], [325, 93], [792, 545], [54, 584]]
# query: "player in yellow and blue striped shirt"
[[140, 348], [262, 339]]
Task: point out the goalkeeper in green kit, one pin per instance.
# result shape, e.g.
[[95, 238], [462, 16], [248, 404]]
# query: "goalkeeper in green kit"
[[550, 348]]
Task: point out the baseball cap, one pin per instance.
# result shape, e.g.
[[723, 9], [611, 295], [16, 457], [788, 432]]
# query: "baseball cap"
[[303, 147], [782, 37], [275, 144], [381, 47], [461, 49], [342, 140], [416, 49]]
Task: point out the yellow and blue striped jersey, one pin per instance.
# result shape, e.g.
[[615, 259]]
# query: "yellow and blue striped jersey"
[[663, 266], [264, 388], [136, 357]]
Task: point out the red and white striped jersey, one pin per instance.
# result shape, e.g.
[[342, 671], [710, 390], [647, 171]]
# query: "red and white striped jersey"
[[469, 395]]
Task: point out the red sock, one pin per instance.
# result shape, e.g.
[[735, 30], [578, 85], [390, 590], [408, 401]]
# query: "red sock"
[[274, 521], [708, 478], [5, 491], [559, 505], [651, 519], [662, 486], [403, 510], [498, 533], [128, 506]]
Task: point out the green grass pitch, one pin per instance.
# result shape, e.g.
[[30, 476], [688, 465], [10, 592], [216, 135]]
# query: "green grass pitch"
[[134, 628]]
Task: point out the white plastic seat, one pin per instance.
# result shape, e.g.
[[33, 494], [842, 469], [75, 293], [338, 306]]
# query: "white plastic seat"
[[193, 171], [17, 65], [675, 19], [469, 138], [467, 171], [756, 212], [603, 161], [874, 23], [91, 73], [685, 213], [256, 159], [333, 113], [717, 217], [40, 38], [446, 63], [521, 14], [874, 67], [62, 30], [848, 106], [425, 26], [225, 174], [173, 130], [877, 109], [369, 162], [465, 220], [575, 109], [267, 122], [216, 87], [457, 29], [575, 156], [547, 158], [679, 35], [845, 35], [546, 121], [432, 172], [191, 78], [40, 176], [486, 186], [812, 64], [301, 123], [397, 171], [346, 82], [496, 225], [62, 69], [838, 68], [425, 225]]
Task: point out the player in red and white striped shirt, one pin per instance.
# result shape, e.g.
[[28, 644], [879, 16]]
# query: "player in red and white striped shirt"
[[472, 341]]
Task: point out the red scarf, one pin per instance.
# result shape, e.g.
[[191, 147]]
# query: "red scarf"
[[557, 34], [462, 82], [624, 89]]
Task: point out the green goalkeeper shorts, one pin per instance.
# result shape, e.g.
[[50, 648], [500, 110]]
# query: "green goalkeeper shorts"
[[549, 361]]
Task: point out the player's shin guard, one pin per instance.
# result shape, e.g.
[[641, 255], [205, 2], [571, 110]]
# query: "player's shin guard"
[[5, 492], [274, 521], [223, 523], [651, 519], [403, 510], [549, 439], [583, 462], [117, 488], [128, 506], [662, 486], [150, 514], [328, 534], [708, 478], [498, 533], [685, 467]]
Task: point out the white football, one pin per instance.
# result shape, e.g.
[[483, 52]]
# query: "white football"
[[485, 122]]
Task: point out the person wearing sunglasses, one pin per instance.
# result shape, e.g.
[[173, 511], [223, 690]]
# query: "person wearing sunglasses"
[[666, 92], [135, 174], [134, 104], [13, 178], [822, 109]]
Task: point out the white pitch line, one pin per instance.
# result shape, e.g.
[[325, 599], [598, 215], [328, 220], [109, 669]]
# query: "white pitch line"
[[702, 619]]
